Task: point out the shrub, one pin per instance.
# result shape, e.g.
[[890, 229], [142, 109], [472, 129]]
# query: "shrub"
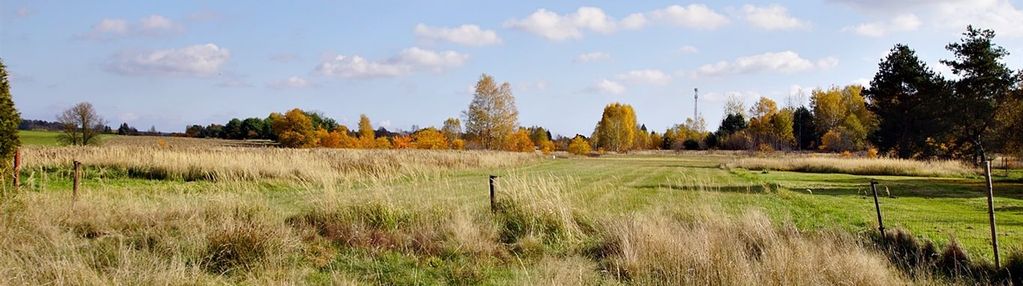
[[579, 146], [691, 144]]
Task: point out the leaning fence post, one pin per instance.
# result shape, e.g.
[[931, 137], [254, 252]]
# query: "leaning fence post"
[[991, 210], [74, 190], [493, 206], [877, 206], [17, 169]]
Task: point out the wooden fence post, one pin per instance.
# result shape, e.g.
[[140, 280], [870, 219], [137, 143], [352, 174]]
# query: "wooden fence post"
[[17, 169], [877, 206], [493, 206], [991, 210], [78, 167]]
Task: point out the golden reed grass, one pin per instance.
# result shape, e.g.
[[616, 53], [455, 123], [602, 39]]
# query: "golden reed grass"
[[858, 166], [247, 164]]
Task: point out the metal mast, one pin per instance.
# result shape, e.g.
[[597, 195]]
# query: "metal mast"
[[696, 102]]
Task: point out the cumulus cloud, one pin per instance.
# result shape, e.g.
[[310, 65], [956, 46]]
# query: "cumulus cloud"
[[783, 62], [607, 86], [645, 76], [408, 61], [195, 60], [592, 57], [152, 25], [557, 27], [900, 23], [697, 16], [469, 35], [291, 82], [772, 17], [952, 15]]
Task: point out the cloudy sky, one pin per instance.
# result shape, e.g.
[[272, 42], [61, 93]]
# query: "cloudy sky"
[[172, 63]]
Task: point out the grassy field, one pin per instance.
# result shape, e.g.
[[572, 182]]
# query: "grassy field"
[[156, 212], [38, 138]]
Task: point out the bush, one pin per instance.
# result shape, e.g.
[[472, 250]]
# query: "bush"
[[691, 144]]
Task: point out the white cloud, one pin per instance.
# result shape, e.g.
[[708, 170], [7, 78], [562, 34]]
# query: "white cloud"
[[557, 27], [688, 50], [783, 62], [408, 61], [291, 82], [470, 35], [864, 82], [592, 57], [950, 15], [435, 61], [196, 60], [772, 17], [646, 76], [153, 25], [607, 86], [999, 15], [901, 23], [692, 16], [553, 26]]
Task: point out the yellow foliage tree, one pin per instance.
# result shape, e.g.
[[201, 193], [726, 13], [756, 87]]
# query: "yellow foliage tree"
[[579, 146], [430, 138], [546, 146], [616, 130], [458, 144], [294, 129], [519, 142], [383, 143]]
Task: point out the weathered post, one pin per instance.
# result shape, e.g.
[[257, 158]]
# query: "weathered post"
[[991, 210], [493, 206], [17, 169], [877, 206], [74, 191]]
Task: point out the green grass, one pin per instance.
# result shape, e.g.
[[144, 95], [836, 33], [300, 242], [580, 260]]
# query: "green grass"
[[938, 209], [38, 138]]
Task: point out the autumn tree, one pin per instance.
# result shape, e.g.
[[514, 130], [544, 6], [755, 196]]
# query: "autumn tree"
[[452, 129], [367, 137], [9, 120], [294, 129], [843, 113], [579, 146], [910, 101], [984, 83], [491, 117], [430, 138], [519, 142], [770, 127], [616, 130], [82, 125]]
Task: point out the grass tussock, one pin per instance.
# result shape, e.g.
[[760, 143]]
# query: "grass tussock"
[[749, 250], [249, 164], [924, 261], [858, 166]]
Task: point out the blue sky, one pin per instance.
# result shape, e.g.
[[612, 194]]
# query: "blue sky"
[[172, 63]]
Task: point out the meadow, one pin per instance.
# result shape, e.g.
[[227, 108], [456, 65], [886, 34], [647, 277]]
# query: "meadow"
[[193, 211]]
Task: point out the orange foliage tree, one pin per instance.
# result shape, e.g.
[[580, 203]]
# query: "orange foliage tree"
[[430, 138], [294, 129], [519, 142]]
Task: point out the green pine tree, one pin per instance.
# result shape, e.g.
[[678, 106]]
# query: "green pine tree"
[[9, 120]]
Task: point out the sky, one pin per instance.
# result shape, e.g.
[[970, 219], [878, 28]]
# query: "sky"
[[170, 64]]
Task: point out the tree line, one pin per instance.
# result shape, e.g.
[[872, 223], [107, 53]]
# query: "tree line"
[[909, 111]]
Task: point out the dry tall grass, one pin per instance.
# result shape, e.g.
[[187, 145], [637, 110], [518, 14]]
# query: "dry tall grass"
[[236, 236], [858, 166], [248, 164]]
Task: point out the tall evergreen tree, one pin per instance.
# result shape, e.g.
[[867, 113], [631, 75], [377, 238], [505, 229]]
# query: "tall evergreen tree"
[[9, 120], [909, 100], [984, 84], [804, 130]]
